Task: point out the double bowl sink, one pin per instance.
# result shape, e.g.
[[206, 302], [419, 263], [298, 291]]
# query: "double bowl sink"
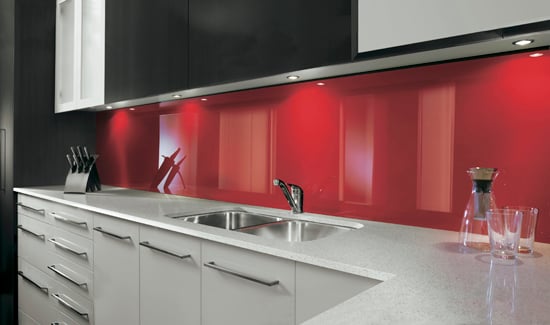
[[266, 226]]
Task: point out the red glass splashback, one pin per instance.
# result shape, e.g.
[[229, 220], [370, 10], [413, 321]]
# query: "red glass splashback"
[[390, 146]]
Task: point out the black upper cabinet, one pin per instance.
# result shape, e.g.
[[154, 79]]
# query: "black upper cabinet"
[[146, 48], [231, 40]]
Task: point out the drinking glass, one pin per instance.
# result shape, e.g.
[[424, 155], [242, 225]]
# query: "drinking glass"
[[527, 237], [504, 231]]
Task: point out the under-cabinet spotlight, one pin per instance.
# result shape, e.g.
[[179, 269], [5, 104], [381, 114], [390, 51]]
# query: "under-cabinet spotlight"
[[132, 109], [176, 96], [293, 77], [109, 107], [536, 55], [204, 99], [523, 42], [320, 84]]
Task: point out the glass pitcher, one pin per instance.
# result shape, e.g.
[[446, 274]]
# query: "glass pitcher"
[[473, 231]]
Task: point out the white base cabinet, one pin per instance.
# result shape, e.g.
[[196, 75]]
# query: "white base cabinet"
[[244, 287], [80, 267], [116, 271], [169, 277]]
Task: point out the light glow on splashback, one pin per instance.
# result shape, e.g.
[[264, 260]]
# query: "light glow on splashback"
[[391, 146]]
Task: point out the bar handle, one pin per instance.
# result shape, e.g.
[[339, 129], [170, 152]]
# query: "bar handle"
[[214, 266], [67, 248], [65, 276], [64, 219], [162, 250], [103, 231], [34, 283], [39, 236], [69, 306], [35, 210]]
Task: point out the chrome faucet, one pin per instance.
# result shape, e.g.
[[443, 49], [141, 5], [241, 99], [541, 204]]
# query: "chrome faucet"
[[296, 199]]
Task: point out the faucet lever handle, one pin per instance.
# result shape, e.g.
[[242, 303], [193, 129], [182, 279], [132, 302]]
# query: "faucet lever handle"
[[297, 196]]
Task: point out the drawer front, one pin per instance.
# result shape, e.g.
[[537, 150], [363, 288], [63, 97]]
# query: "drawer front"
[[34, 292], [72, 247], [72, 275], [32, 207], [32, 237], [68, 302], [71, 219]]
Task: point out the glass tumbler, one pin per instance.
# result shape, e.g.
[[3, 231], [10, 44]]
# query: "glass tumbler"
[[528, 223], [504, 232]]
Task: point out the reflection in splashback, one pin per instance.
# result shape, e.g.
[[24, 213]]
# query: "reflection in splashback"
[[392, 146]]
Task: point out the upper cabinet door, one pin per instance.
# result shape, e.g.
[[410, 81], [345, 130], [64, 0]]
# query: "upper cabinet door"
[[146, 48], [80, 51], [243, 39], [389, 23]]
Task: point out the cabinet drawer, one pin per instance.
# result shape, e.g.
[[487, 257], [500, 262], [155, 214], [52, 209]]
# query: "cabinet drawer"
[[72, 275], [32, 207], [74, 220], [75, 248], [31, 240], [69, 303]]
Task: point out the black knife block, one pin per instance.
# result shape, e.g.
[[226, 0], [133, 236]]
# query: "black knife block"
[[83, 181]]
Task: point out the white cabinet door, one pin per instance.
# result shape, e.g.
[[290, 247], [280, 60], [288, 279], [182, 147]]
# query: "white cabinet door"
[[244, 287], [388, 23], [170, 277], [116, 271], [318, 289], [80, 54]]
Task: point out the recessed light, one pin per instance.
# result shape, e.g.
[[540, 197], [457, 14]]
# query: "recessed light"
[[132, 109], [523, 42], [536, 55], [204, 99], [109, 107], [176, 96], [320, 84], [293, 77]]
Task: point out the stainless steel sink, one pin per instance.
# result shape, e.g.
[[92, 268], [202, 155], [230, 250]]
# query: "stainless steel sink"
[[229, 219], [295, 230]]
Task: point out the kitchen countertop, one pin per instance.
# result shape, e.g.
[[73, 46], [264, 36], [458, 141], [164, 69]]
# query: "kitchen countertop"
[[426, 280]]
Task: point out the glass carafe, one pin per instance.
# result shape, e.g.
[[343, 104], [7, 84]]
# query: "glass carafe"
[[473, 232]]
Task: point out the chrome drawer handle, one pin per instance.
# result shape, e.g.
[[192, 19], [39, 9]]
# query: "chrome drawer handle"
[[103, 231], [148, 245], [69, 306], [65, 276], [61, 218], [31, 281], [214, 266], [26, 207], [67, 248], [42, 237]]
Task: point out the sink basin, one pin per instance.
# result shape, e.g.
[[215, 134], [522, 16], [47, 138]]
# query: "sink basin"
[[230, 219], [295, 230]]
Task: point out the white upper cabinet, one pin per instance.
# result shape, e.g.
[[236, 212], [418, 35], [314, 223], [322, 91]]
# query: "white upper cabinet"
[[388, 23], [80, 54]]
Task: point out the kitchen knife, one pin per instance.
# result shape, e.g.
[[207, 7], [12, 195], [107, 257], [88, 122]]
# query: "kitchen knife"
[[71, 164], [86, 154], [79, 151]]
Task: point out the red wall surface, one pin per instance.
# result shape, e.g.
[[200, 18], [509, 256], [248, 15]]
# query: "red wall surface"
[[390, 146]]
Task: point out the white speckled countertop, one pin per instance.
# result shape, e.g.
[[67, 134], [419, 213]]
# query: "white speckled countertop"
[[426, 280]]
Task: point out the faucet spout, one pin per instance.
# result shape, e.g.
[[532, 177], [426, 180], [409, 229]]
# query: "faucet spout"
[[295, 199]]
